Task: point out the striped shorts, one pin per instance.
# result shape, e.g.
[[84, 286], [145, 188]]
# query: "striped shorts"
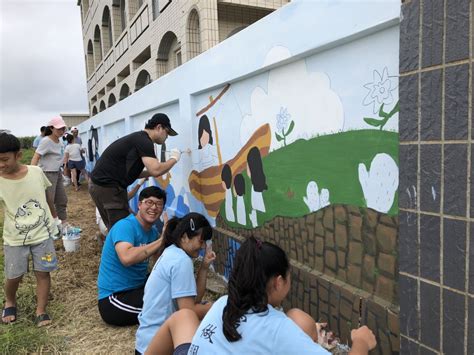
[[122, 308]]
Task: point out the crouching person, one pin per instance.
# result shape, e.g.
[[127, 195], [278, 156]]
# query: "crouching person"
[[28, 228], [124, 261]]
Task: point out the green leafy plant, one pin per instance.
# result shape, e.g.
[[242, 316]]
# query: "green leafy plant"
[[385, 116], [284, 125]]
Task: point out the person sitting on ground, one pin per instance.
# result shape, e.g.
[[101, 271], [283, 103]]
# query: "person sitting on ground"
[[248, 319], [28, 228], [74, 160], [172, 284], [124, 260]]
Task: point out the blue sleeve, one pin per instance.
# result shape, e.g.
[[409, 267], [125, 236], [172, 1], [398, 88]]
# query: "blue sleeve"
[[290, 339], [122, 231], [183, 283]]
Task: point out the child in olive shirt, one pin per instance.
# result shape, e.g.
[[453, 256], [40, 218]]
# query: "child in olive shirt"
[[28, 228]]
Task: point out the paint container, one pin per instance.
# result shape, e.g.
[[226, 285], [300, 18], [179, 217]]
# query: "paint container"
[[72, 239], [72, 244]]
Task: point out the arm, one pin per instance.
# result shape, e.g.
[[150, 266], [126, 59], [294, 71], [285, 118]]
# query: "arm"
[[134, 190], [190, 303], [66, 157], [35, 159], [202, 274], [156, 168], [130, 255]]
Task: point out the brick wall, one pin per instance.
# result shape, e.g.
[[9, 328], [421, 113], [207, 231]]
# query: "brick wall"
[[436, 164], [341, 257]]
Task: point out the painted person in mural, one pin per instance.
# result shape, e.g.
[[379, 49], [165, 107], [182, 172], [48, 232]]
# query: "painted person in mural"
[[248, 320], [226, 176], [172, 284], [206, 148], [124, 261], [239, 188], [259, 184], [123, 161]]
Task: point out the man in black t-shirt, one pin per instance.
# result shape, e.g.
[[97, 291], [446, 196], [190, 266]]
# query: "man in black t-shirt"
[[123, 162]]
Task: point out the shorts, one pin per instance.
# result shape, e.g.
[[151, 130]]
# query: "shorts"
[[122, 308], [79, 165], [182, 349], [17, 257]]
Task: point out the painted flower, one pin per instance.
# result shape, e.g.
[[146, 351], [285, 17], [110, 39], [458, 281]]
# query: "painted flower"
[[283, 119], [380, 90]]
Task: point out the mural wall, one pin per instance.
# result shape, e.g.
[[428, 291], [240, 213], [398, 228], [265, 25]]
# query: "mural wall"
[[291, 122]]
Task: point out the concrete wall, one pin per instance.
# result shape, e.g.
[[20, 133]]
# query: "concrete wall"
[[302, 107], [436, 186]]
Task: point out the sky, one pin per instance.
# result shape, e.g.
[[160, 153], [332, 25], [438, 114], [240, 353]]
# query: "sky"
[[42, 68]]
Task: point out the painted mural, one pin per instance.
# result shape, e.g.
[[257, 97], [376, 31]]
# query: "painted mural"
[[288, 146]]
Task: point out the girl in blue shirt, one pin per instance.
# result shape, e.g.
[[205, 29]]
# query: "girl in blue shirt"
[[248, 319], [171, 285]]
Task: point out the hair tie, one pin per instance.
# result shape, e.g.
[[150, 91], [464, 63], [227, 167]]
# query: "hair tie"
[[259, 244], [192, 225]]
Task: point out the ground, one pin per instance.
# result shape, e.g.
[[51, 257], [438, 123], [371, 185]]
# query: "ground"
[[77, 326]]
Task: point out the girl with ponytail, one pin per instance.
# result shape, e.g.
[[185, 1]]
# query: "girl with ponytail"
[[171, 285], [249, 320]]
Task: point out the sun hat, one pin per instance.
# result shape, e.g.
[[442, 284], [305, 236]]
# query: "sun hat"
[[57, 122]]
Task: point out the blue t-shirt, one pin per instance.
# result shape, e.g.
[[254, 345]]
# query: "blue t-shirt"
[[172, 277], [113, 275], [269, 332]]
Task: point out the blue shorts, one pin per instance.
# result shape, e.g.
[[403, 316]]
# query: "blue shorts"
[[79, 165]]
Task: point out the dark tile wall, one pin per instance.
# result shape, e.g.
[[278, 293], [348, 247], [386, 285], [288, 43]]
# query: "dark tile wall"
[[436, 241]]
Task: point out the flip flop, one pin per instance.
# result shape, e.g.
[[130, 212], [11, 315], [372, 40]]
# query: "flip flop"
[[8, 312], [43, 320]]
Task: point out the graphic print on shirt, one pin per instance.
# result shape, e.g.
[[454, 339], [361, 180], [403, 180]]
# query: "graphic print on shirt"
[[29, 216], [208, 332]]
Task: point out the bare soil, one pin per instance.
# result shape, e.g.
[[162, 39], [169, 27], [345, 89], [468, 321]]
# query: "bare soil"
[[74, 286]]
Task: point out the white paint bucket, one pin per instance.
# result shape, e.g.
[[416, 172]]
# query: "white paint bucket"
[[72, 244]]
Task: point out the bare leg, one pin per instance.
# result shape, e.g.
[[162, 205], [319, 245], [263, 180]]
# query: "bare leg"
[[178, 329], [11, 286], [74, 179], [43, 283]]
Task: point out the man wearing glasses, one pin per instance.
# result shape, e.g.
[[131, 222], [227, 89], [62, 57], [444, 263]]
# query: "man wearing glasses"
[[123, 162], [124, 260]]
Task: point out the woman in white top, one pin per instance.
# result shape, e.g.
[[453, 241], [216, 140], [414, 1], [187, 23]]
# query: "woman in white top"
[[49, 157], [249, 320], [73, 158]]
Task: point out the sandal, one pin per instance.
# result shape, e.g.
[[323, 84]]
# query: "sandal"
[[43, 320], [9, 312]]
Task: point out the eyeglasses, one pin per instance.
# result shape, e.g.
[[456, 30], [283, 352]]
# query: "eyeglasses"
[[61, 129], [150, 203]]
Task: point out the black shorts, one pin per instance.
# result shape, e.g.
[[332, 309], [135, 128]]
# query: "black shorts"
[[180, 350], [122, 308]]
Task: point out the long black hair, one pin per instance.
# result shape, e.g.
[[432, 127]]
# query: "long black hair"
[[204, 125], [192, 224], [257, 175], [255, 263]]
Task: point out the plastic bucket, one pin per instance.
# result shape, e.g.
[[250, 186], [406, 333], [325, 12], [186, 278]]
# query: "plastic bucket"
[[72, 244]]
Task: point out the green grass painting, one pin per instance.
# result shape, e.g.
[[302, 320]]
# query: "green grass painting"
[[331, 160]]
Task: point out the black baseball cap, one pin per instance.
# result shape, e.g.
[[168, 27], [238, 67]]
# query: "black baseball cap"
[[163, 120]]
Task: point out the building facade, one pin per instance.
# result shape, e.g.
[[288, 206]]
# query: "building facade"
[[130, 43]]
